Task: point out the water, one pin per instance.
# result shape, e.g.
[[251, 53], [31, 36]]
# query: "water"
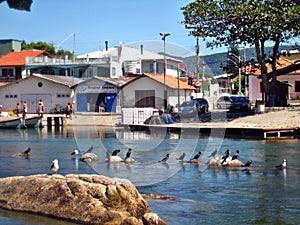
[[203, 195]]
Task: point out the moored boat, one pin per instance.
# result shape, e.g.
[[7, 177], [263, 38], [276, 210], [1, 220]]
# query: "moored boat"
[[10, 123]]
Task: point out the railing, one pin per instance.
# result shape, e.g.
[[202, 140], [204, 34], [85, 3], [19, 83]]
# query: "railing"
[[58, 61]]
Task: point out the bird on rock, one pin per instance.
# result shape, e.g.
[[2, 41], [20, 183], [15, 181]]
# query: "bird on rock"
[[197, 156], [128, 158], [235, 155]]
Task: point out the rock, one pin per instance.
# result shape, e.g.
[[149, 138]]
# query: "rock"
[[84, 199], [152, 219], [217, 161]]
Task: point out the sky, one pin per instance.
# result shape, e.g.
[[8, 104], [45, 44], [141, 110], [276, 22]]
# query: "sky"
[[84, 26]]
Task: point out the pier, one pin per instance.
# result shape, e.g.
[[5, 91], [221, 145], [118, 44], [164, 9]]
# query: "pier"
[[55, 120]]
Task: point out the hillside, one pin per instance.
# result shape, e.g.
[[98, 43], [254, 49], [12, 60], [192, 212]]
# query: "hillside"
[[212, 62]]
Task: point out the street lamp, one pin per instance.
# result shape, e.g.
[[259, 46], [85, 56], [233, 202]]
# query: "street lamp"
[[164, 35], [239, 66]]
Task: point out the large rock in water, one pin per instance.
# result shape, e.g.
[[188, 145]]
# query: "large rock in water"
[[85, 199]]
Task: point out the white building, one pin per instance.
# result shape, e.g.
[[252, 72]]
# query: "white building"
[[121, 60], [53, 90]]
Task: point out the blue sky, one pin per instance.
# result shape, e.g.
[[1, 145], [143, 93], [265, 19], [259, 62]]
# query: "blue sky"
[[93, 22]]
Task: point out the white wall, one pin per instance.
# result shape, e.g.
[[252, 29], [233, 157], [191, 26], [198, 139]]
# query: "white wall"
[[29, 90]]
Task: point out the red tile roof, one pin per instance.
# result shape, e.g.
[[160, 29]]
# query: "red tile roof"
[[18, 58], [171, 82], [281, 63]]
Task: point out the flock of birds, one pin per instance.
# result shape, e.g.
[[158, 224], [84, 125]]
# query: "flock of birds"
[[215, 160]]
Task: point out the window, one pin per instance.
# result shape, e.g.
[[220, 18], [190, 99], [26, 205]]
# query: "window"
[[297, 86], [6, 72], [11, 96]]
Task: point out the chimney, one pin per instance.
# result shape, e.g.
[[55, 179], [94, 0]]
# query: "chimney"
[[106, 45]]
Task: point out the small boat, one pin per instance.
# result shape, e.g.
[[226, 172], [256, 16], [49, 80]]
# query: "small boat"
[[33, 122], [10, 124]]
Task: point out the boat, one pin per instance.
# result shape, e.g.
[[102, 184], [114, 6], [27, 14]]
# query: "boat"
[[10, 124], [33, 122]]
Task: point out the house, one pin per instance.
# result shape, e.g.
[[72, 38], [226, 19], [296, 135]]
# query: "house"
[[148, 91], [90, 93], [287, 87], [53, 90], [12, 65], [121, 60]]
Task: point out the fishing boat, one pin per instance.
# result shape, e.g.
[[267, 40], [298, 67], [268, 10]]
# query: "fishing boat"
[[10, 123]]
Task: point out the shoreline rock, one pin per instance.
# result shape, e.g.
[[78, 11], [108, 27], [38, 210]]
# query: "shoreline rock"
[[84, 199]]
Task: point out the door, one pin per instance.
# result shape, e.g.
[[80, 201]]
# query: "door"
[[82, 103], [110, 101]]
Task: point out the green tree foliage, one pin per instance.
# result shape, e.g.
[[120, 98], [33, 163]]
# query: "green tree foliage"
[[40, 46], [252, 22], [49, 48], [18, 4]]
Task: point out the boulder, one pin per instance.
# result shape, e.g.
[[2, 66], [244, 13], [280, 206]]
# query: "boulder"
[[84, 199]]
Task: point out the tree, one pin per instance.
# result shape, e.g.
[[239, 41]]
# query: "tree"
[[49, 48], [255, 23], [40, 46], [18, 4]]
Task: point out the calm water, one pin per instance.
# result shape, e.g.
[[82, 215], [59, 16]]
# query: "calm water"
[[204, 195]]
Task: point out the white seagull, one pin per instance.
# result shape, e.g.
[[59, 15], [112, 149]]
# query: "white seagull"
[[54, 166]]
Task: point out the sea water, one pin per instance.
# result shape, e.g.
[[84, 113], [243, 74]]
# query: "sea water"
[[202, 194]]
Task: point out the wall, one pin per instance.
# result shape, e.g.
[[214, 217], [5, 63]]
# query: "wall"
[[31, 90], [144, 83]]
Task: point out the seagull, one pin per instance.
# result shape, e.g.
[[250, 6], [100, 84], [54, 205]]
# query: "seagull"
[[165, 159], [197, 156], [213, 154], [181, 157], [282, 165], [54, 167], [235, 155]]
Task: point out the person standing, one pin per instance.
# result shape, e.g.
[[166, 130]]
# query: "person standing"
[[41, 108], [69, 111], [24, 110], [17, 109]]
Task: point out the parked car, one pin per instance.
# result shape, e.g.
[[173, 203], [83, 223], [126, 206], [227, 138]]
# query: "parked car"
[[188, 109], [239, 103], [224, 102], [203, 104], [193, 108]]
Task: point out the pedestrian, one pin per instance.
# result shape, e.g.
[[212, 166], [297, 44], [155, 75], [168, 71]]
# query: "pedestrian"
[[24, 110], [69, 111], [41, 108], [17, 110], [102, 107]]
